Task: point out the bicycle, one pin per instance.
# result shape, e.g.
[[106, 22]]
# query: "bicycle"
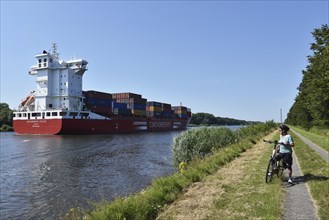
[[280, 165]]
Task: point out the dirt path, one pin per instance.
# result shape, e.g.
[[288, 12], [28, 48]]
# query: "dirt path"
[[197, 201], [324, 154]]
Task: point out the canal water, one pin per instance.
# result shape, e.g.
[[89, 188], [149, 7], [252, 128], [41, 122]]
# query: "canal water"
[[42, 177]]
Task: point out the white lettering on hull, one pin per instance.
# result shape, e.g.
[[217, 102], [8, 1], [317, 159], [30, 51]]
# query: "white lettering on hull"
[[36, 123], [160, 124]]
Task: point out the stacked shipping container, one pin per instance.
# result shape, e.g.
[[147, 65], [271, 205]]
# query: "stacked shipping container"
[[181, 111], [167, 112], [134, 102], [159, 110], [131, 104], [98, 102], [154, 109]]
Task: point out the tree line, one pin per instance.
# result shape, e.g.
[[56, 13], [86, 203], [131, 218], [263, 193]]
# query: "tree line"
[[311, 106], [210, 119], [6, 117]]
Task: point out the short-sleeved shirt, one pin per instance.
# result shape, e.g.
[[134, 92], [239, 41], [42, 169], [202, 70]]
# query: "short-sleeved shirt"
[[286, 139]]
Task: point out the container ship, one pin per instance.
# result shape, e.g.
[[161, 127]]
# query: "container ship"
[[58, 105]]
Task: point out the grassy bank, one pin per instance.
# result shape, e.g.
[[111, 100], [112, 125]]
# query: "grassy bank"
[[247, 195], [316, 174], [239, 190], [318, 137], [235, 191], [151, 201]]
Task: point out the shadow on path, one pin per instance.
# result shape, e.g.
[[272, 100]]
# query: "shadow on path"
[[303, 179]]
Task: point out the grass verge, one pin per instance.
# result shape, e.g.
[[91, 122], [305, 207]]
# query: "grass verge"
[[316, 173], [148, 203], [319, 139]]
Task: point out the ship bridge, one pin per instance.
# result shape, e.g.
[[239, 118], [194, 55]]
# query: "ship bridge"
[[79, 66], [59, 82]]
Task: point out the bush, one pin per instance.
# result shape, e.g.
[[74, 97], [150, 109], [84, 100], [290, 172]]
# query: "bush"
[[200, 142]]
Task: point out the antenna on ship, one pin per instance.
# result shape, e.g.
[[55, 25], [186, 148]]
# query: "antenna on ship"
[[54, 50]]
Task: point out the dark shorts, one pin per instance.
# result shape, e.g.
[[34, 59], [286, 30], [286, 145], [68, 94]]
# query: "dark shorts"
[[286, 158]]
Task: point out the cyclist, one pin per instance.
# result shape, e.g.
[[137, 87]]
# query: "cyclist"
[[285, 152]]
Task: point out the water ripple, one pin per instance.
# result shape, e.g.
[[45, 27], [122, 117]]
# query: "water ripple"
[[42, 177]]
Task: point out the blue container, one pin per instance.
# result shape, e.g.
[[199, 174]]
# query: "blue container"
[[119, 105], [154, 114], [181, 115], [157, 104], [98, 102], [123, 112], [138, 106], [167, 114]]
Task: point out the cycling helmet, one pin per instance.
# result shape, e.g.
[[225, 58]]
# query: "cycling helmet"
[[284, 127]]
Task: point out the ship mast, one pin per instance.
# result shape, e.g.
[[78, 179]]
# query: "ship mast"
[[54, 50]]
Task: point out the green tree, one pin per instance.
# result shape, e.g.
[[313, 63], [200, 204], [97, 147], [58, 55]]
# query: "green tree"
[[203, 119], [6, 115], [299, 114], [209, 119], [312, 102]]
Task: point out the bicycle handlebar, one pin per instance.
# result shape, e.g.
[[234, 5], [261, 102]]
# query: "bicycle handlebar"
[[271, 142]]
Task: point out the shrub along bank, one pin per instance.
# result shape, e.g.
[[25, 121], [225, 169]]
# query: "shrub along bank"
[[202, 162], [200, 142]]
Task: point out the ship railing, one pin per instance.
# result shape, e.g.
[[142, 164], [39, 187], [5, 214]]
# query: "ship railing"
[[33, 70]]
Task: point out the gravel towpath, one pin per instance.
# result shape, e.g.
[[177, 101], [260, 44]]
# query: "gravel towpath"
[[298, 203], [324, 154]]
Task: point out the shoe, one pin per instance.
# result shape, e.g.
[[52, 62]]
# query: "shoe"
[[290, 181]]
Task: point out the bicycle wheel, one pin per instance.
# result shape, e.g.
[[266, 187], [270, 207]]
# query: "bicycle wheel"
[[268, 177], [280, 169]]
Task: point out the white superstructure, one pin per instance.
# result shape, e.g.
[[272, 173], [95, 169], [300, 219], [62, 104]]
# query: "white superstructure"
[[59, 84]]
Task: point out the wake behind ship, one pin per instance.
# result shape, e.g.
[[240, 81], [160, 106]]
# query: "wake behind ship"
[[60, 106]]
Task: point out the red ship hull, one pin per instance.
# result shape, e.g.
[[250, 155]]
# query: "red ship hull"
[[96, 126]]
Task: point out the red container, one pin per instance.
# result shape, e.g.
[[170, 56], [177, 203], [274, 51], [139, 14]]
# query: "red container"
[[166, 107], [126, 95]]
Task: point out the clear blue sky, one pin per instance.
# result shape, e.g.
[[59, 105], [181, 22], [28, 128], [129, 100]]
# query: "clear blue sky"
[[237, 59]]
